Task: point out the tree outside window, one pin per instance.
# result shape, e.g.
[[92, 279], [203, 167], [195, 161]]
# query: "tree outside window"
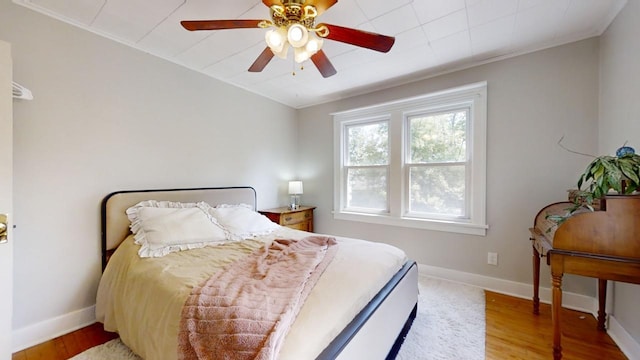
[[367, 166], [437, 164]]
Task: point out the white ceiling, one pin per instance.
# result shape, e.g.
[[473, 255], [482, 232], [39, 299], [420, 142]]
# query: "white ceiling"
[[432, 36]]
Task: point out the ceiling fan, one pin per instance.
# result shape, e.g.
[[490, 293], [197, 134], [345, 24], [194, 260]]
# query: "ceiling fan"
[[293, 25]]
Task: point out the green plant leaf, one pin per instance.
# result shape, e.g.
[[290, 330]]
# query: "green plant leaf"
[[606, 173], [611, 165], [629, 171], [598, 172]]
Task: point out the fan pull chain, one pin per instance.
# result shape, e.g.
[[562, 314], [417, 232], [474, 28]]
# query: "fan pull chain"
[[293, 65]]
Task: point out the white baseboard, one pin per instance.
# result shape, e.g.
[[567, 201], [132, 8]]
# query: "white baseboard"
[[621, 337], [49, 329], [584, 303], [569, 300]]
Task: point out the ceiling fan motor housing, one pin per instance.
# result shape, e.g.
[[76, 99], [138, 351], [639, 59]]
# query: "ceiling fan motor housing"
[[293, 12]]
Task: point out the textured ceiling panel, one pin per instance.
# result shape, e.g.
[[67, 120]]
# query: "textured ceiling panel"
[[432, 36]]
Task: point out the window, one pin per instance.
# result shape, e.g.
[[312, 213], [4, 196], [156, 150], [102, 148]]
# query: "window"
[[367, 166], [417, 162], [437, 164]]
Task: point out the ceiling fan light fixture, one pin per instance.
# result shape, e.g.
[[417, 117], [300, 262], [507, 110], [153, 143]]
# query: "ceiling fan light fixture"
[[278, 9], [276, 39], [282, 53], [293, 24], [297, 35], [301, 55], [310, 11], [314, 44]]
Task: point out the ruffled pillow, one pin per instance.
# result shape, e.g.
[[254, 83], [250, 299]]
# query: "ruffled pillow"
[[241, 221], [163, 227]]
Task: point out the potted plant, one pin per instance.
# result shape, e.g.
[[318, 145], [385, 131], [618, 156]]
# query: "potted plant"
[[620, 173]]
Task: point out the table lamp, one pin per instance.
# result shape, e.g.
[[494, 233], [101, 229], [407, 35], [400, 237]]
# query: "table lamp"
[[295, 189]]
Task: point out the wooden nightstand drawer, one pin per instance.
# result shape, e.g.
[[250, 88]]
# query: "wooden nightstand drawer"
[[294, 218], [304, 226], [299, 219]]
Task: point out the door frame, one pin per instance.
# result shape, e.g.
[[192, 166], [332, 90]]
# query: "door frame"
[[6, 199]]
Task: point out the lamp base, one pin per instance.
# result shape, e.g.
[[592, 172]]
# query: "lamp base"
[[295, 202]]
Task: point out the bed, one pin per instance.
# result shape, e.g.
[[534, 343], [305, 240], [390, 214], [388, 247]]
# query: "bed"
[[361, 307]]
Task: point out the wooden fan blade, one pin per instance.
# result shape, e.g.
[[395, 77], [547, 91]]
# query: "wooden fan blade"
[[193, 25], [262, 60], [268, 3], [321, 5], [321, 61], [360, 38]]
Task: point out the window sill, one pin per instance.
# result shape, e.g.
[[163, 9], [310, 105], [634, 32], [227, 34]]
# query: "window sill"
[[437, 225]]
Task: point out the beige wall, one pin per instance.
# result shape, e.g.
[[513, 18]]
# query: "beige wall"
[[532, 100], [106, 117], [620, 123]]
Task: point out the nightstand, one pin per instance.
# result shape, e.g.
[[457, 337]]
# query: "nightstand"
[[299, 219]]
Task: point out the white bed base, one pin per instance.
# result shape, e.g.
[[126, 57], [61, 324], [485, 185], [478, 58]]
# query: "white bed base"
[[375, 333], [393, 316]]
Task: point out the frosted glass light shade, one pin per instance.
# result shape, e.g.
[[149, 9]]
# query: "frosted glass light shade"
[[297, 35], [314, 44], [277, 41], [274, 39], [304, 43], [301, 55]]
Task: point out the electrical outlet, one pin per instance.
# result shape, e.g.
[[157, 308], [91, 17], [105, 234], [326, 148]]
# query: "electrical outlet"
[[492, 258]]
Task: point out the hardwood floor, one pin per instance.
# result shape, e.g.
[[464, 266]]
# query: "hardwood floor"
[[512, 332], [67, 346]]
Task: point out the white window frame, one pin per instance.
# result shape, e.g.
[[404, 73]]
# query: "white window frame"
[[473, 96]]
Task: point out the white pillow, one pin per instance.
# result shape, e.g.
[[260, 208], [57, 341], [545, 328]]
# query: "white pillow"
[[242, 222], [165, 227]]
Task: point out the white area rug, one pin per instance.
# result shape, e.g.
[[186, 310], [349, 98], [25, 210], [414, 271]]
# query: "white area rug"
[[112, 350], [450, 325]]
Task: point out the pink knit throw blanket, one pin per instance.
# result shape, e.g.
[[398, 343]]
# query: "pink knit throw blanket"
[[244, 311]]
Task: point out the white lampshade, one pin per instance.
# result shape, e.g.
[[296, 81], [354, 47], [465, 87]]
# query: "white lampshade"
[[295, 187]]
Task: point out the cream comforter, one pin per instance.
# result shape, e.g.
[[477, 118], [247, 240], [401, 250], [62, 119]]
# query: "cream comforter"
[[142, 299]]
